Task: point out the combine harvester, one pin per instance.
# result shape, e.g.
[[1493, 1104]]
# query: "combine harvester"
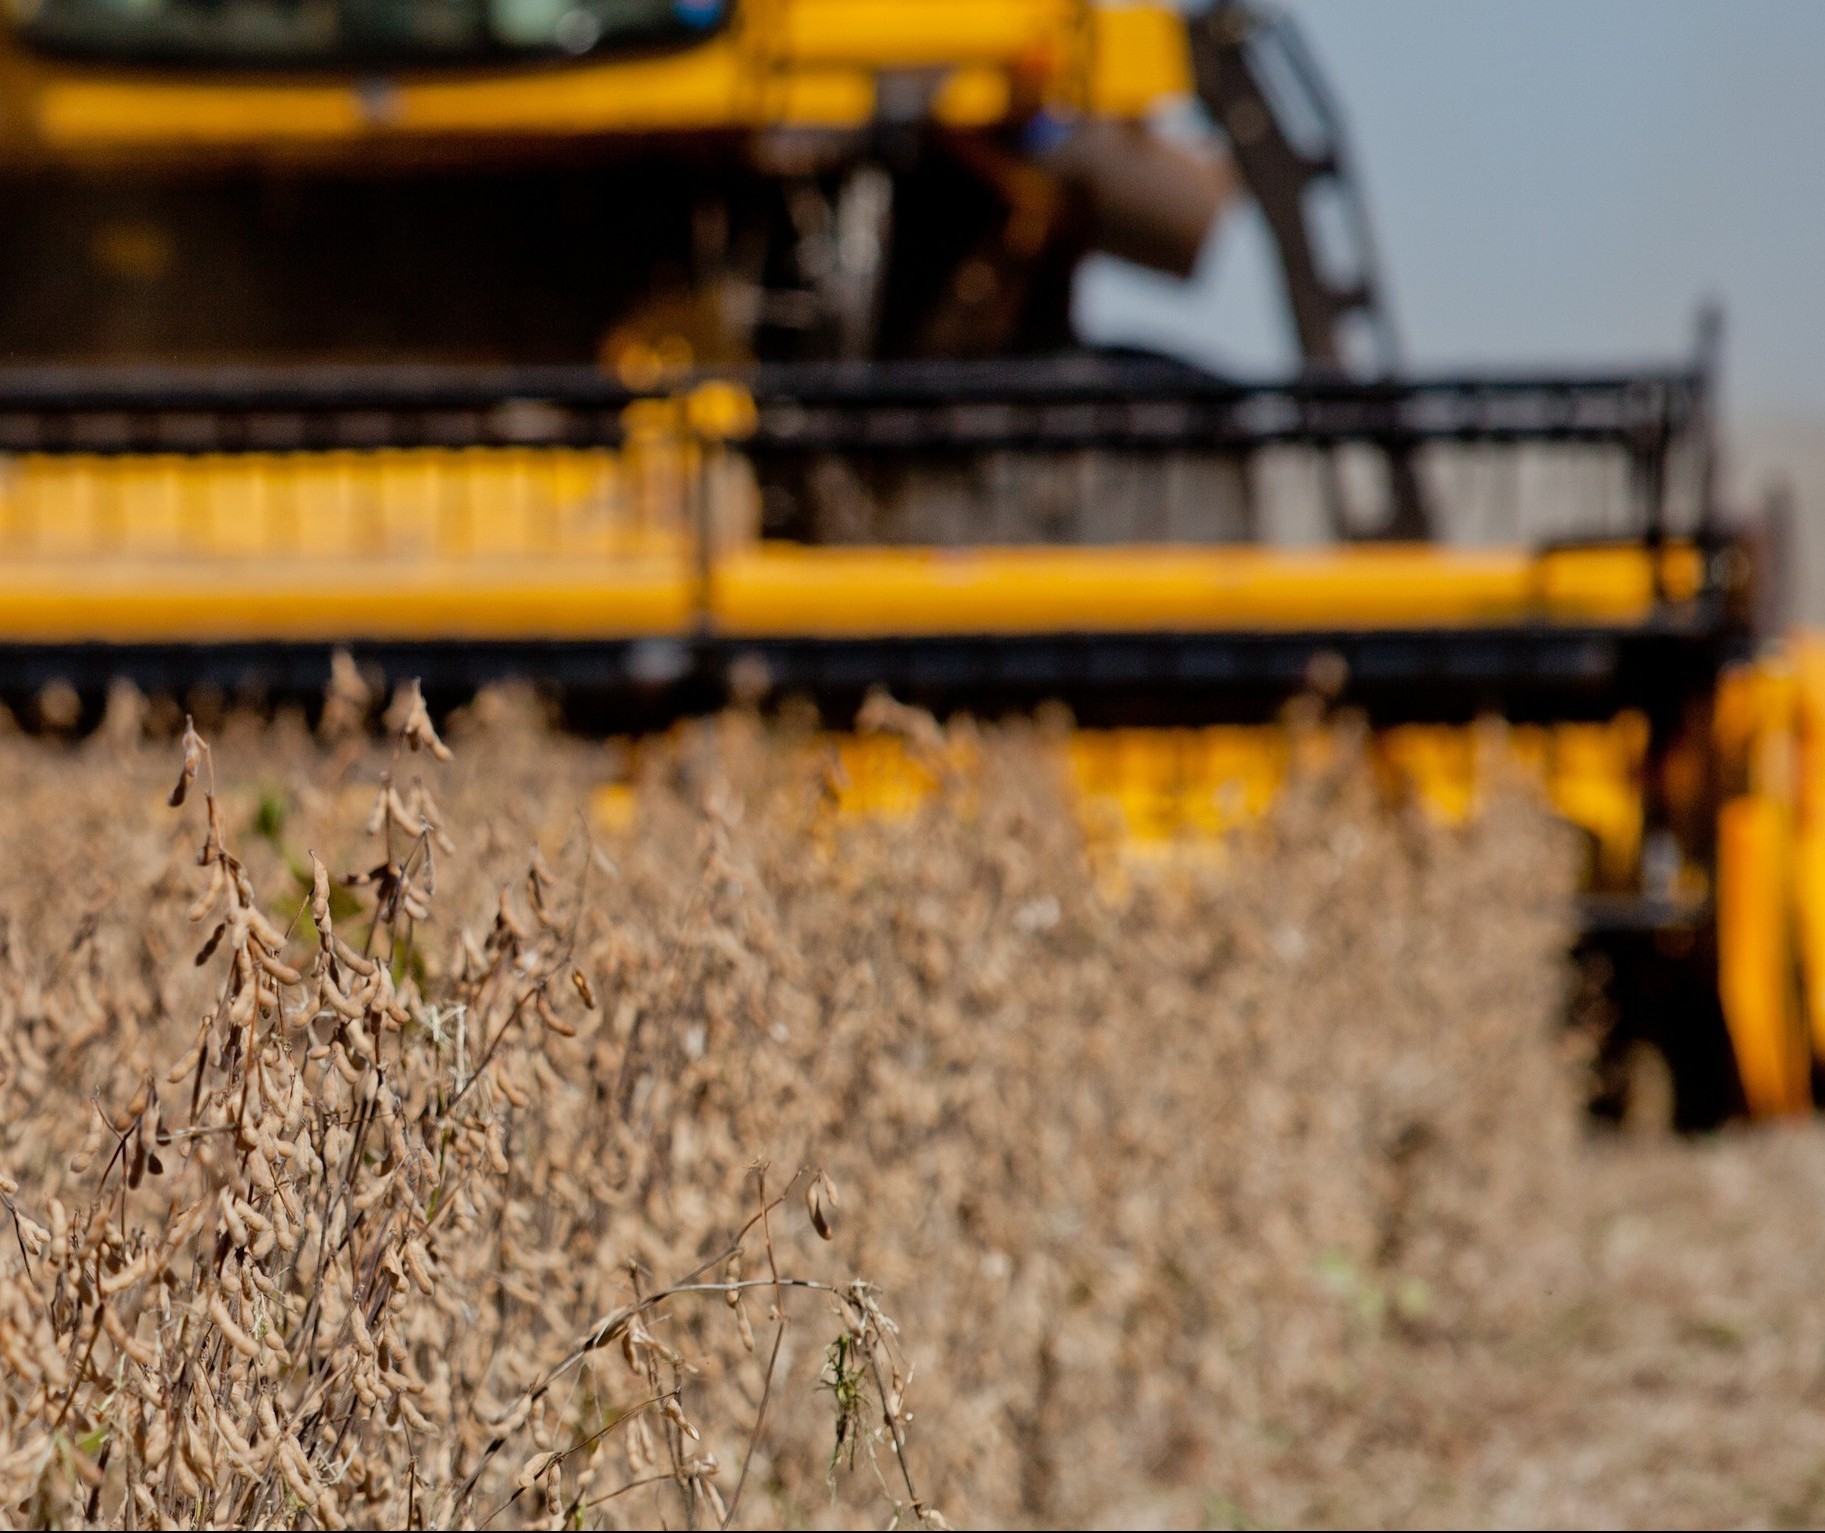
[[670, 350]]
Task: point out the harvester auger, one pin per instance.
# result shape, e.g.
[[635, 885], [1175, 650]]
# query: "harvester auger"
[[671, 351]]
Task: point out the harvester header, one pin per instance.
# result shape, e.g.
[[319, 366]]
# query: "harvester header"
[[676, 353]]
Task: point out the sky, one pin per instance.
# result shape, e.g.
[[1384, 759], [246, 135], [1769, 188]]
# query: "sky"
[[1560, 181]]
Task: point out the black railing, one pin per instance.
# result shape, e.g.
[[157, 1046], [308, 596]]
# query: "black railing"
[[877, 412], [1046, 402]]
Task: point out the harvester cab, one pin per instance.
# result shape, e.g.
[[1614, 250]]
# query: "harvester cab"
[[664, 349]]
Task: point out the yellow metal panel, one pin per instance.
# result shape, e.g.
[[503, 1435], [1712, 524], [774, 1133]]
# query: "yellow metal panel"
[[1140, 58], [712, 87], [391, 505], [821, 98], [1619, 578], [1809, 900], [1754, 722], [1153, 789], [872, 591], [1237, 773], [709, 87], [1807, 652], [1735, 710], [924, 34], [76, 112], [699, 88], [1439, 761], [810, 62], [1593, 775], [235, 506], [880, 778], [973, 97], [1755, 956], [613, 807], [385, 511], [308, 600]]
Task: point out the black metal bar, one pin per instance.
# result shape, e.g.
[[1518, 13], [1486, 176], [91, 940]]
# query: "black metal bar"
[[1525, 673], [1045, 404], [1609, 913]]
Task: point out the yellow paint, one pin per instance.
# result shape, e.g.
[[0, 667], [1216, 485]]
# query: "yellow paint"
[[70, 528], [877, 777], [613, 806], [1440, 763], [1809, 914], [863, 592], [1755, 956], [924, 34], [720, 411], [487, 522], [703, 89], [698, 88], [1807, 657], [799, 63], [1142, 59], [1768, 728], [973, 97], [329, 600], [1146, 790], [1149, 789], [75, 112], [1592, 773], [377, 507], [383, 507]]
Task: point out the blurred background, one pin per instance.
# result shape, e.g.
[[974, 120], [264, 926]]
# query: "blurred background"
[[1563, 184]]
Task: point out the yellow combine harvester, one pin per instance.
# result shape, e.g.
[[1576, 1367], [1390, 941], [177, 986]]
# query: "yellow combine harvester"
[[674, 349]]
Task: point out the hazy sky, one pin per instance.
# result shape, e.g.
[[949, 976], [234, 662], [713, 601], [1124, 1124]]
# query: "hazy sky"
[[1561, 180]]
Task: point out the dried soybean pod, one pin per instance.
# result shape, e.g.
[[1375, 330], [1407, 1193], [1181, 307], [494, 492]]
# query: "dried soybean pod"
[[418, 731], [581, 981], [193, 757], [207, 951], [91, 1145], [320, 898], [814, 1206], [551, 1019]]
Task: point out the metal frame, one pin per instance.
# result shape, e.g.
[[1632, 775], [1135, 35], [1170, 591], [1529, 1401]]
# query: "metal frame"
[[921, 409], [1526, 673], [1087, 400]]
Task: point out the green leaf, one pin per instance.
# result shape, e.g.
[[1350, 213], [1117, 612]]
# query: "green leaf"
[[269, 818]]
